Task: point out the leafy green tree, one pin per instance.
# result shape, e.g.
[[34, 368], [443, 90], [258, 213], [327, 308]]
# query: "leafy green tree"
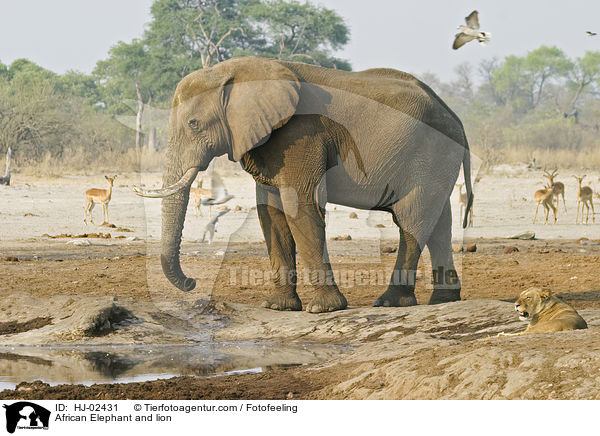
[[584, 74], [541, 66], [193, 34], [79, 85], [30, 117], [3, 70], [509, 82], [299, 32]]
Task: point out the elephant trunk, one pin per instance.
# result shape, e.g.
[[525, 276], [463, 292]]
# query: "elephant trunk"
[[173, 216]]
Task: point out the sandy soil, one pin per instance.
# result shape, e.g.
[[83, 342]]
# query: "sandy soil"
[[111, 291]]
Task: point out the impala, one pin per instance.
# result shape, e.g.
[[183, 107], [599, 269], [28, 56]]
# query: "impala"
[[544, 197], [95, 195], [584, 198]]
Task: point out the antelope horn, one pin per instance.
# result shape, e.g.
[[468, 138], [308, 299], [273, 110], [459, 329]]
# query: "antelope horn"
[[183, 183]]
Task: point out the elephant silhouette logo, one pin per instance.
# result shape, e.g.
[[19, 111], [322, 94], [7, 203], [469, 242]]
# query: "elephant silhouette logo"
[[25, 414]]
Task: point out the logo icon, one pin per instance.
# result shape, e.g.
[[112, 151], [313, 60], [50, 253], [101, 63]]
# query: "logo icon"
[[26, 415]]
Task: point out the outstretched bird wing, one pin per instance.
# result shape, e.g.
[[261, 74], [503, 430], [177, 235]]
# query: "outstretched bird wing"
[[473, 20], [217, 186], [461, 39]]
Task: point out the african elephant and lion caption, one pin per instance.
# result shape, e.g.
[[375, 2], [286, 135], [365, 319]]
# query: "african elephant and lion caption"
[[377, 139]]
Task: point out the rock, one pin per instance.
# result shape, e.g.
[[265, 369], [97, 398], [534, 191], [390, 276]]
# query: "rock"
[[11, 259], [238, 208], [342, 238], [471, 248], [389, 249], [353, 215], [510, 249], [523, 235], [587, 241], [458, 248], [80, 242], [380, 226]]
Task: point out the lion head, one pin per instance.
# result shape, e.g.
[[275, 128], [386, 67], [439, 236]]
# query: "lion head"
[[531, 302]]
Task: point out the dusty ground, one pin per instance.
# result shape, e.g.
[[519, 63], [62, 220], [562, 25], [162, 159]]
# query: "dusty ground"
[[111, 291]]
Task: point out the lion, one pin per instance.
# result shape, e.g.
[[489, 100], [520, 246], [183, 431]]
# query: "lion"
[[545, 313]]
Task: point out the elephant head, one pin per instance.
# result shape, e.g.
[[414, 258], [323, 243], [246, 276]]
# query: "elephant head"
[[227, 109]]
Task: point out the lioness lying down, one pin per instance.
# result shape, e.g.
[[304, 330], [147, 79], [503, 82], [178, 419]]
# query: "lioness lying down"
[[545, 313]]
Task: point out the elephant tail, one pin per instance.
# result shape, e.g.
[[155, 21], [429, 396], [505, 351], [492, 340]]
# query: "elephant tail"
[[468, 187]]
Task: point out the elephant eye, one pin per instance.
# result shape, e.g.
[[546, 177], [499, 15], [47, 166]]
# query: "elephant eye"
[[193, 123]]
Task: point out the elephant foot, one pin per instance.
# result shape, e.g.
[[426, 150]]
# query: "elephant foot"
[[396, 297], [327, 300], [283, 301], [444, 296]]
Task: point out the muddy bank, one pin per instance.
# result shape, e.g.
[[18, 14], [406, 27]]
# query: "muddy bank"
[[426, 352]]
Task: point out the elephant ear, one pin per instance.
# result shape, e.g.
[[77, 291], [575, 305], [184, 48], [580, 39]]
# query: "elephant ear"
[[260, 96]]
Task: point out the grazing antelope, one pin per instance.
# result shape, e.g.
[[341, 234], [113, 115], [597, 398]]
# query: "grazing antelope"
[[584, 196], [462, 201], [558, 188], [95, 195], [544, 197], [197, 194]]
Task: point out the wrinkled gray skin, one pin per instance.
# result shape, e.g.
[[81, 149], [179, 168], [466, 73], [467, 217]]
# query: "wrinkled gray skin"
[[376, 139]]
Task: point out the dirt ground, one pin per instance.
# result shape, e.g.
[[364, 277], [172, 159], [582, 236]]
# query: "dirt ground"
[[488, 273], [446, 351]]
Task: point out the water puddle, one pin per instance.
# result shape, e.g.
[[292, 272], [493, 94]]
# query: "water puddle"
[[134, 363]]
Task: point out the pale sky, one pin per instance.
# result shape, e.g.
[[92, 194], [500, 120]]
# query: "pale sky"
[[413, 36]]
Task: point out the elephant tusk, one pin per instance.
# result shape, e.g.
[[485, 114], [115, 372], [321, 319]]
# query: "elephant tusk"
[[183, 183]]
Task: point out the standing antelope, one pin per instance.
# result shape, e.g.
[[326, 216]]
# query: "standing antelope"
[[197, 194], [6, 179], [584, 196], [558, 188], [96, 195], [462, 201], [544, 197]]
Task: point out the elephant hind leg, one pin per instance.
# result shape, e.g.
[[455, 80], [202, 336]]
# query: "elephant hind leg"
[[401, 290], [446, 284], [282, 251], [307, 224]]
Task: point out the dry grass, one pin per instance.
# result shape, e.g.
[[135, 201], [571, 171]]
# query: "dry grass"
[[78, 162], [562, 158]]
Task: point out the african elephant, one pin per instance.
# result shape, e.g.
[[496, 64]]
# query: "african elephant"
[[377, 139]]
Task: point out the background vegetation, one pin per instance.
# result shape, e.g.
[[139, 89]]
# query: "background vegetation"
[[543, 105]]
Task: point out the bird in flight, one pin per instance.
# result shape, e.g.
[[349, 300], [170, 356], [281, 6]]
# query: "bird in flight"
[[219, 194], [470, 32], [590, 33], [211, 227]]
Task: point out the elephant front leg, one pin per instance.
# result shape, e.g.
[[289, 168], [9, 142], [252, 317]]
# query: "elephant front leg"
[[306, 221], [446, 284], [282, 251], [401, 290]]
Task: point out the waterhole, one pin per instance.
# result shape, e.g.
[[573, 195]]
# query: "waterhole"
[[132, 363]]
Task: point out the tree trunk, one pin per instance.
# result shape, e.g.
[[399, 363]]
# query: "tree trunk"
[[138, 118]]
